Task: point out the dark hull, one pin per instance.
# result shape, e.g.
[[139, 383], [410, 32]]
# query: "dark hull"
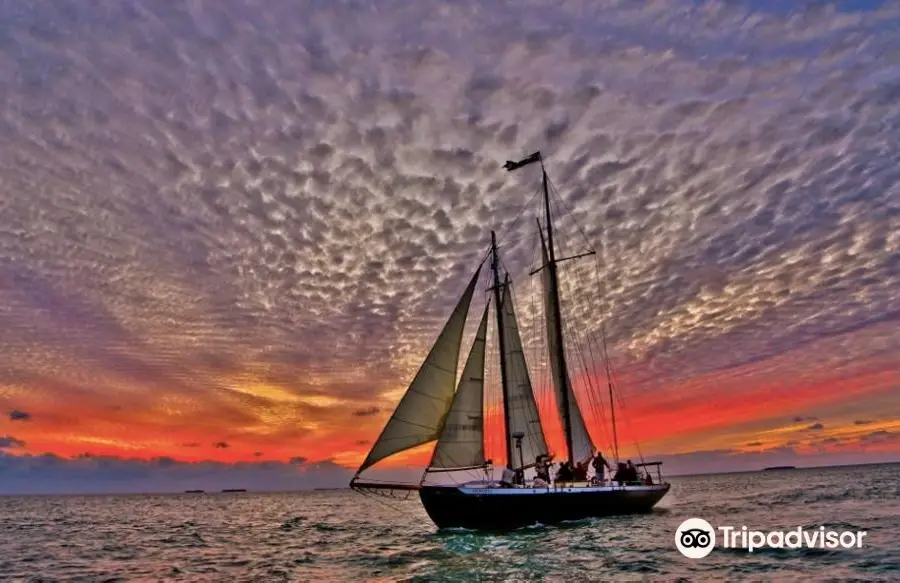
[[503, 509]]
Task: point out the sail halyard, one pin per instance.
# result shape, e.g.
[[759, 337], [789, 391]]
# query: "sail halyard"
[[461, 441], [421, 412]]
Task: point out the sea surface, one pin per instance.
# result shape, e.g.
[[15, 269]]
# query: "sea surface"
[[345, 536]]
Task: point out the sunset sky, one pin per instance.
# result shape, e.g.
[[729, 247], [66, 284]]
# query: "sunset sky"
[[231, 229]]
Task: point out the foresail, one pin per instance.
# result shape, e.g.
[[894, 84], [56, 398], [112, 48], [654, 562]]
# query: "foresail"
[[522, 409], [420, 413], [582, 446], [461, 442]]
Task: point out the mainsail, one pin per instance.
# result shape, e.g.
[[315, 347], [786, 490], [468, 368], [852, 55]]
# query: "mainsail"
[[420, 414], [461, 443], [522, 411], [582, 446]]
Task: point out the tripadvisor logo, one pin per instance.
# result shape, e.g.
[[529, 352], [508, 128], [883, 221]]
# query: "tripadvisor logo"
[[695, 538]]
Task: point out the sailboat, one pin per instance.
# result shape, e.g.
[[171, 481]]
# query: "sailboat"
[[439, 407]]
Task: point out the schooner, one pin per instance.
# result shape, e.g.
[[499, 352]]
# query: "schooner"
[[438, 406]]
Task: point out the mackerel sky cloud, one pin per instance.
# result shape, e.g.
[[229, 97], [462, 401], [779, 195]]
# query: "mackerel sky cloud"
[[230, 230]]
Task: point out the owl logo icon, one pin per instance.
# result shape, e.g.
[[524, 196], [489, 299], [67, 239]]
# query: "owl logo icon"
[[695, 538]]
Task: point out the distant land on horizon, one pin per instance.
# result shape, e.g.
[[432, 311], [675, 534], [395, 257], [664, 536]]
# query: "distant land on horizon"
[[786, 467], [166, 492]]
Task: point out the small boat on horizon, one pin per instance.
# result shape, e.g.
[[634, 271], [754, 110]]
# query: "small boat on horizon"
[[439, 407]]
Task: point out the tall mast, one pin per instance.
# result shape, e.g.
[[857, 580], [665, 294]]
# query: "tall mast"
[[612, 404], [557, 331], [504, 382]]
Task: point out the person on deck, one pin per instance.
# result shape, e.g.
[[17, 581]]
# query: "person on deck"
[[599, 462], [632, 473], [621, 474], [580, 468], [581, 471], [542, 467], [565, 472]]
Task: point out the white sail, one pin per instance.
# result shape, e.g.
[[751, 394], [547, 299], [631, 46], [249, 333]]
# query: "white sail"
[[582, 446], [420, 414], [522, 409], [461, 443]]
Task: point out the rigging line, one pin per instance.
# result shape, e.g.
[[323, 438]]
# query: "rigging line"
[[622, 406], [604, 349], [612, 377], [379, 498], [591, 378], [614, 383], [589, 342], [619, 397], [538, 346], [596, 367], [611, 386], [571, 213], [586, 378], [589, 371], [587, 384], [579, 342], [512, 241]]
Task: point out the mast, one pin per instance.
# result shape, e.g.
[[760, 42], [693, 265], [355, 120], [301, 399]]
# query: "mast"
[[557, 331], [612, 404], [504, 381]]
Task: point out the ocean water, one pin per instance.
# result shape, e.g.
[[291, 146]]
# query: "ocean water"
[[344, 536]]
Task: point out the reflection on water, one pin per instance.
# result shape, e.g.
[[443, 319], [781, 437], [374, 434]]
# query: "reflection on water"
[[343, 536]]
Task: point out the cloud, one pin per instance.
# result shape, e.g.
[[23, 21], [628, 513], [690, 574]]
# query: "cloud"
[[367, 412], [10, 442], [879, 436], [298, 460], [799, 419], [862, 422], [41, 474], [221, 445], [263, 227], [815, 427], [16, 415]]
